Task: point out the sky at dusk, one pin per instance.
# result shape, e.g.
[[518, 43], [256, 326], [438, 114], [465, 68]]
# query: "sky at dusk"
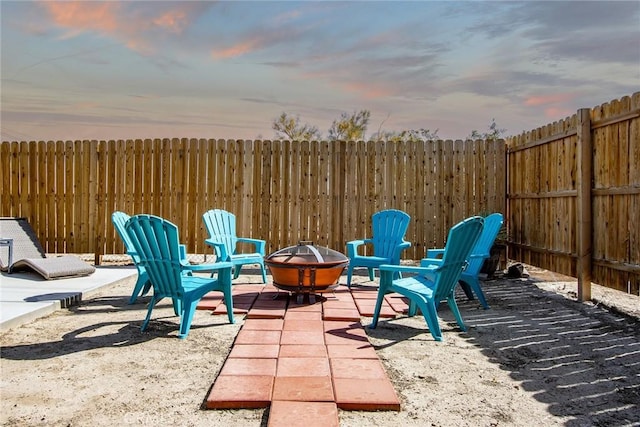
[[76, 70]]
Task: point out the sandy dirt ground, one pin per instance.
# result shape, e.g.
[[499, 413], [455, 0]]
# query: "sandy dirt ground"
[[536, 358]]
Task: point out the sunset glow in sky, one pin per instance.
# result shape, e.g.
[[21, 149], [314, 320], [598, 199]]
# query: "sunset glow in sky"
[[75, 70]]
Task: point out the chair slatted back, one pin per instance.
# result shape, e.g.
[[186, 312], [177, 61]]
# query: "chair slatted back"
[[460, 241], [492, 225], [389, 228], [221, 226], [119, 219], [157, 244]]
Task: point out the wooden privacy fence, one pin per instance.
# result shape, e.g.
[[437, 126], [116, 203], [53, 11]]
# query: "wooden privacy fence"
[[280, 191], [574, 196]]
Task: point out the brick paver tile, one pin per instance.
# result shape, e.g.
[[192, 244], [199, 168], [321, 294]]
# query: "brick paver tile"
[[302, 315], [255, 351], [303, 367], [302, 337], [263, 324], [308, 414], [303, 350], [305, 389], [241, 367], [357, 368], [249, 336], [350, 351], [248, 392], [365, 395], [303, 325], [341, 314]]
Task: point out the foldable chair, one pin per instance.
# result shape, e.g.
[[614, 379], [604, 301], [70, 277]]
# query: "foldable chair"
[[20, 241]]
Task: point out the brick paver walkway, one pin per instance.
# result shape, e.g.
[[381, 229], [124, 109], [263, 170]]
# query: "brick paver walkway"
[[303, 360]]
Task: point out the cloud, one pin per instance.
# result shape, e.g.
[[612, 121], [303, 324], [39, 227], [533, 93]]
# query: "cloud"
[[555, 98], [141, 26], [79, 16], [239, 49], [555, 113], [368, 90], [259, 40]]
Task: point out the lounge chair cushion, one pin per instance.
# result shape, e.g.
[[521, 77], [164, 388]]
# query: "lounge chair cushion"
[[28, 253], [54, 267]]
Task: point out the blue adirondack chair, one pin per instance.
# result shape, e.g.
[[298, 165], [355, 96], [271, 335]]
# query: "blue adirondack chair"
[[469, 280], [156, 243], [389, 228], [143, 284], [435, 280], [221, 226]]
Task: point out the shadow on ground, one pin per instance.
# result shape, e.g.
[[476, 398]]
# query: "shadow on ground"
[[579, 358], [116, 333]]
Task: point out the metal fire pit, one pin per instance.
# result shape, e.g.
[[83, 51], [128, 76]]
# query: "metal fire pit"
[[306, 269]]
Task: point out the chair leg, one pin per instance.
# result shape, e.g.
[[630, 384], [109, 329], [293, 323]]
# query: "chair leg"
[[177, 306], [385, 284], [467, 289], [474, 283], [349, 274], [413, 308], [141, 285], [224, 277], [456, 312], [376, 311], [146, 289], [152, 304], [188, 310], [371, 274], [264, 273], [431, 316]]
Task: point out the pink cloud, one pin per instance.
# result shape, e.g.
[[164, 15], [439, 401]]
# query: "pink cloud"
[[258, 40], [555, 98], [555, 112], [174, 21], [81, 15], [246, 46], [368, 91], [137, 25]]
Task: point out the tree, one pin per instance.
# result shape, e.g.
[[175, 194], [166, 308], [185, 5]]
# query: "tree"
[[493, 134], [406, 135], [350, 127], [288, 127]]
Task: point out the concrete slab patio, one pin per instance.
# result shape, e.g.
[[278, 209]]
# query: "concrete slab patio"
[[26, 296]]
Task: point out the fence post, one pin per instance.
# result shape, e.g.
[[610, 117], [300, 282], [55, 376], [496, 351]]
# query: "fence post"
[[100, 191], [584, 184]]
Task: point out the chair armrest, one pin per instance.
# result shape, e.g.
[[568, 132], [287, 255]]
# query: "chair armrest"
[[426, 262], [208, 267], [433, 253], [352, 246], [220, 249], [404, 245], [260, 245], [398, 250], [132, 253], [483, 255], [408, 269]]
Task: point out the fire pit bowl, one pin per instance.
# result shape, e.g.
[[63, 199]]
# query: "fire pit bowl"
[[305, 268]]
